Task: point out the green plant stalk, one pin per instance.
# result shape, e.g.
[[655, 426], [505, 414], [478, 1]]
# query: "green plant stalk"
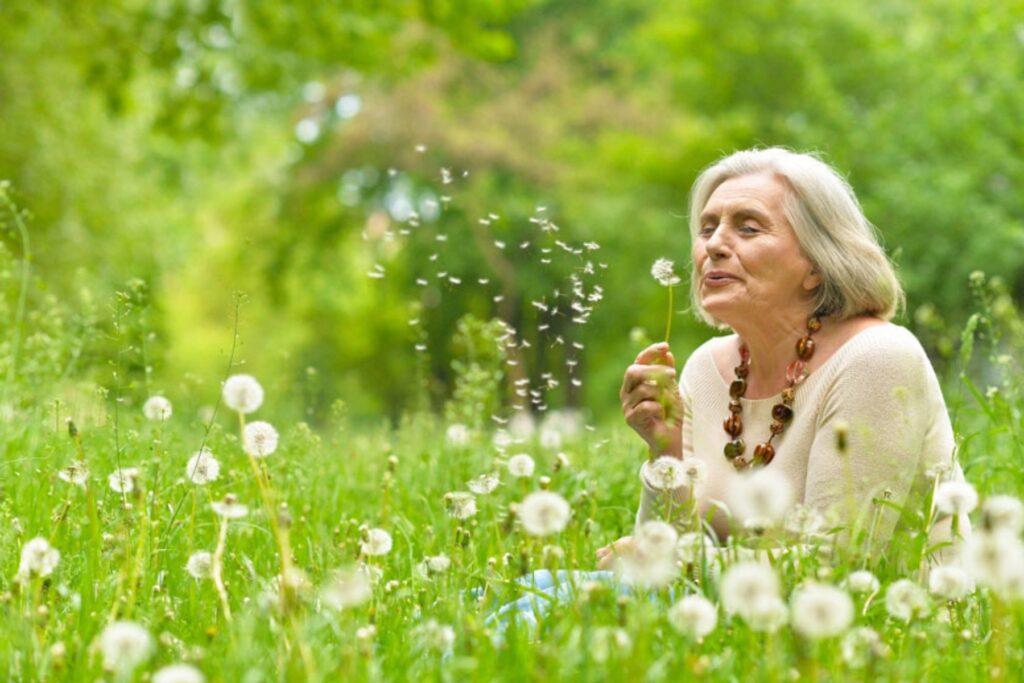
[[19, 316], [668, 320]]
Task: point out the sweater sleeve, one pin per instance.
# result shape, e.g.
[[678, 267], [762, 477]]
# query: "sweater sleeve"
[[884, 400]]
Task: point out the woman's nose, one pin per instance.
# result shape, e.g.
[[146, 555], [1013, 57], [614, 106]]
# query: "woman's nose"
[[716, 243]]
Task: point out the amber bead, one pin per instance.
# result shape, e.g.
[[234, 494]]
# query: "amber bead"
[[735, 407], [805, 348], [814, 324], [741, 464], [777, 427], [795, 372], [764, 453], [733, 425], [738, 388], [782, 412], [735, 448], [742, 371], [788, 395]]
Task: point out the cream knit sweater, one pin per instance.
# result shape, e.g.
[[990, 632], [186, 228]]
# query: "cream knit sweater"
[[880, 383]]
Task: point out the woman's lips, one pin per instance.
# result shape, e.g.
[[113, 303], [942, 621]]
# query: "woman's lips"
[[718, 280]]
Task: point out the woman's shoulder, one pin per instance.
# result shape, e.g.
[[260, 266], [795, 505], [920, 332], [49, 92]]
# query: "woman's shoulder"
[[883, 352], [701, 364]]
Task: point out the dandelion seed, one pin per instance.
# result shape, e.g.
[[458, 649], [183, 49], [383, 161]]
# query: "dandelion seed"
[[446, 178], [576, 382], [482, 485], [122, 480], [347, 588], [441, 238], [420, 347], [422, 282], [457, 434], [125, 645], [179, 673], [543, 513], [378, 542], [694, 616], [454, 280], [259, 439], [821, 611], [955, 497], [905, 600], [375, 275], [524, 245], [1002, 513], [157, 408], [243, 394], [761, 498], [199, 565], [499, 244], [38, 558], [483, 280], [949, 582], [521, 465], [420, 149], [76, 473], [861, 582], [229, 507], [460, 504], [202, 468]]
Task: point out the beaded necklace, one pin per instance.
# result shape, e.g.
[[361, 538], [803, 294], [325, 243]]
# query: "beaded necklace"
[[782, 413]]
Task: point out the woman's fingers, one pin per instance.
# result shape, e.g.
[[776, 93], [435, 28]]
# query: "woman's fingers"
[[646, 375], [656, 354]]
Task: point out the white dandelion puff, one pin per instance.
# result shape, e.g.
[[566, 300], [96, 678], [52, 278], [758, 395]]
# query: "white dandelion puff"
[[694, 616], [994, 559], [656, 538], [861, 645], [521, 465], [666, 473], [763, 497], [457, 434], [242, 393], [122, 480], [378, 542], [229, 507], [482, 485], [543, 513], [663, 271], [437, 564], [38, 558], [955, 497], [347, 588], [949, 582], [861, 582], [1003, 512], [694, 546], [767, 614], [125, 645], [76, 473], [435, 636], [745, 585], [200, 565], [179, 673], [259, 439], [804, 520], [905, 600], [202, 468], [157, 409], [460, 504], [821, 611], [607, 640]]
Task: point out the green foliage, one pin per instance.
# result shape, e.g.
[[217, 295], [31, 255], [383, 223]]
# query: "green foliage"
[[479, 365]]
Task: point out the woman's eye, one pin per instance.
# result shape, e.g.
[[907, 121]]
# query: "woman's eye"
[[707, 230], [748, 229]]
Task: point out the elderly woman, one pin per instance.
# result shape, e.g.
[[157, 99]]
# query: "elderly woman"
[[814, 382]]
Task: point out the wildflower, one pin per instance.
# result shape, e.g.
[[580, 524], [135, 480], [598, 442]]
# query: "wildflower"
[[656, 538], [745, 585], [521, 465], [482, 485], [762, 498], [199, 564], [804, 520], [949, 582], [437, 564], [378, 542], [861, 645], [202, 468], [821, 611], [693, 616], [229, 507], [693, 546], [861, 581], [663, 271], [242, 393], [905, 600], [955, 497], [460, 504], [367, 632], [179, 673], [125, 645], [38, 557], [522, 425], [347, 588], [157, 408], [122, 480], [1003, 512], [76, 473], [607, 640], [994, 559], [435, 636], [638, 568], [259, 439], [767, 614], [457, 434], [543, 513], [666, 473]]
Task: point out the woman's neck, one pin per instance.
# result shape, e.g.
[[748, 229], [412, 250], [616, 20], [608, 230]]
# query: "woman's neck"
[[772, 346]]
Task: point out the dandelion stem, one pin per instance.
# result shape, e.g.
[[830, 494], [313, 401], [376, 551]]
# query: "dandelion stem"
[[668, 319], [216, 571]]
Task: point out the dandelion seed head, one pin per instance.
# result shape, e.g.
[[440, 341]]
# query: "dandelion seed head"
[[243, 394], [179, 673], [762, 496], [457, 434], [122, 480], [347, 588], [38, 558], [437, 564], [994, 559], [694, 616], [905, 600], [202, 468], [435, 636], [694, 546], [521, 465], [663, 271], [949, 582], [157, 409], [1003, 513], [125, 645], [200, 565], [744, 584], [955, 497], [543, 513], [460, 504], [76, 473], [482, 485], [821, 611], [767, 614], [656, 538], [861, 645], [229, 507], [377, 542], [607, 641], [259, 439], [862, 582], [804, 520]]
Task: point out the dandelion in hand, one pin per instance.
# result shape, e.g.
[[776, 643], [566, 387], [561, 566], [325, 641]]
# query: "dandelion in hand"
[[663, 271]]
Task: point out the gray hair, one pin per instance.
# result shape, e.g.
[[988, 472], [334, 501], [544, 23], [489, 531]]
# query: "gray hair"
[[830, 227]]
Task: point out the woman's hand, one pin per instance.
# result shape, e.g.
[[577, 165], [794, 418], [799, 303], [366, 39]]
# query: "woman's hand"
[[606, 555], [651, 402]]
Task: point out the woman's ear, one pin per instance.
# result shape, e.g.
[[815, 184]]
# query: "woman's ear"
[[813, 280]]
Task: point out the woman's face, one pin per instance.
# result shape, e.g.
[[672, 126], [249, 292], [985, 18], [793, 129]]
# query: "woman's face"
[[745, 252]]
